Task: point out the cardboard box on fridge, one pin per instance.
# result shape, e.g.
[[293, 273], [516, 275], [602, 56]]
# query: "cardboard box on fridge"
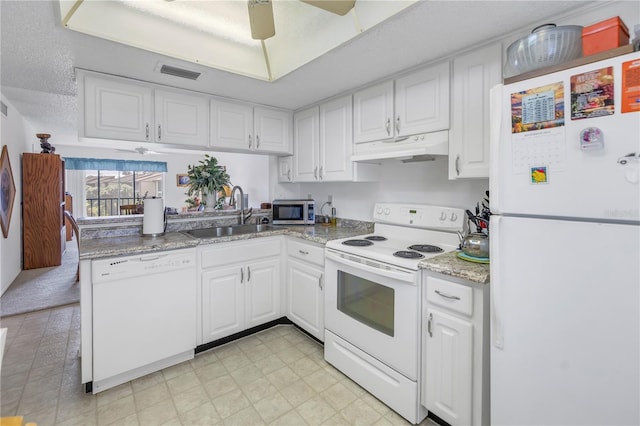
[[605, 35]]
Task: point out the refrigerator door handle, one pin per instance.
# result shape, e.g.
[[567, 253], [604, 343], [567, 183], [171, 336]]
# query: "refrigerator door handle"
[[495, 136], [497, 330]]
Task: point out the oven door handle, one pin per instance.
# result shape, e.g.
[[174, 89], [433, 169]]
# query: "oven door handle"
[[372, 267]]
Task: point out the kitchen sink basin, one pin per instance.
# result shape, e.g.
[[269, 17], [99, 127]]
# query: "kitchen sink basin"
[[228, 231]]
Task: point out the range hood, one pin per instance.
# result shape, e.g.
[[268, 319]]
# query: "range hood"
[[422, 147]]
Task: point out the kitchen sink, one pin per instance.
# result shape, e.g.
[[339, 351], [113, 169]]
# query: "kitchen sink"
[[228, 231]]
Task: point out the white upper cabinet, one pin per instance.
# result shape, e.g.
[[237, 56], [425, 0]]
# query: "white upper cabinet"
[[323, 144], [112, 108], [285, 169], [474, 74], [116, 108], [336, 140], [373, 113], [422, 101], [272, 128], [231, 125], [242, 128], [181, 118], [412, 104], [306, 137]]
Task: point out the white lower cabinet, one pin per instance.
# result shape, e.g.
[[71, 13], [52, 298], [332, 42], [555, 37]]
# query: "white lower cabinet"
[[240, 286], [305, 286], [448, 365], [455, 364]]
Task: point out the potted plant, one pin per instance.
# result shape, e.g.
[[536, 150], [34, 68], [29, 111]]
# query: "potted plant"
[[208, 178]]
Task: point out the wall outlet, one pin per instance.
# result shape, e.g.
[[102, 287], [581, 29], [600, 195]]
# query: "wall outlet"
[[330, 199]]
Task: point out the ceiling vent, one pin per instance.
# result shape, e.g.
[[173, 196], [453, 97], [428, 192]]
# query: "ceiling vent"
[[179, 72]]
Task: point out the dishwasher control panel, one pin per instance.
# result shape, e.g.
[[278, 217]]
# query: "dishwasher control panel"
[[116, 268]]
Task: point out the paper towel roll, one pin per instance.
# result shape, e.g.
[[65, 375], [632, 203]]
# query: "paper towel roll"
[[153, 222]]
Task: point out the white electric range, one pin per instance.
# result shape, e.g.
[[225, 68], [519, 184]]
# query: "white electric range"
[[372, 299]]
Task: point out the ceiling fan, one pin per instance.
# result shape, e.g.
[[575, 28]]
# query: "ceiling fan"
[[139, 150], [261, 14]]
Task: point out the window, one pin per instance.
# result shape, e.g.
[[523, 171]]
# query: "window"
[[107, 190], [111, 183]]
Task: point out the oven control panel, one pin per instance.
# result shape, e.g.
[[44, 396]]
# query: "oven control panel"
[[420, 216]]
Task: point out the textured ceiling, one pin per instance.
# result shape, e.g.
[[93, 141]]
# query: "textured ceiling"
[[38, 56]]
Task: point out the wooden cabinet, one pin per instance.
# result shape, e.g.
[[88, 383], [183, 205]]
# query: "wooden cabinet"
[[68, 206], [323, 144], [474, 74], [455, 365], [241, 127], [240, 286], [419, 103], [305, 286], [43, 231], [122, 109]]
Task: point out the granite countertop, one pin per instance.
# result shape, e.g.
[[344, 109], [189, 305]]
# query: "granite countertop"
[[136, 244], [450, 264]]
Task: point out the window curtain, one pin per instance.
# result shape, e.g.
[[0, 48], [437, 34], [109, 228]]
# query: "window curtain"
[[71, 163]]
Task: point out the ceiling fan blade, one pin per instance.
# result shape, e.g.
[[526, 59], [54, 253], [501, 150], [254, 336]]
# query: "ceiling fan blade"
[[261, 19], [339, 7]]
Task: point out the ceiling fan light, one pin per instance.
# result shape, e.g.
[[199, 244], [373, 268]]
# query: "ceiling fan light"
[[261, 19], [339, 7]]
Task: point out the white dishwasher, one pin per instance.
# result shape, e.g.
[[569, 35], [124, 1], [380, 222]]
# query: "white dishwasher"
[[144, 314]]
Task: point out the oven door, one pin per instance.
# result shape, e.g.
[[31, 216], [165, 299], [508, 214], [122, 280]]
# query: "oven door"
[[375, 308]]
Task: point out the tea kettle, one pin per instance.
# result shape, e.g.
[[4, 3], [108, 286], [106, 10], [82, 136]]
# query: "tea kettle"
[[475, 244]]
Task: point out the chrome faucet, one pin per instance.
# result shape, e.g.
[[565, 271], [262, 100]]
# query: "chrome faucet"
[[242, 206]]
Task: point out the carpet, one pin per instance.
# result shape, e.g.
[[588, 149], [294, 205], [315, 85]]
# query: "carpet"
[[44, 288]]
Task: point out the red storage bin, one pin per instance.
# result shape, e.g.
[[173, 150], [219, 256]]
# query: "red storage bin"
[[605, 35]]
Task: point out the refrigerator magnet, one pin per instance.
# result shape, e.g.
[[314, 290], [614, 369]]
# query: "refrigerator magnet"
[[539, 175], [631, 86], [591, 138], [592, 94]]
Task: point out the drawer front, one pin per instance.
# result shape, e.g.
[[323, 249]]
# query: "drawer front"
[[453, 296], [305, 251], [239, 251]]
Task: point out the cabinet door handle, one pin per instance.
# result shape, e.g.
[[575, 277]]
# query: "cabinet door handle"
[[388, 127], [241, 275], [248, 273], [303, 252], [257, 141], [289, 174], [159, 132], [249, 141], [429, 325], [447, 296], [147, 131], [315, 173], [320, 281], [458, 165], [398, 125], [320, 173]]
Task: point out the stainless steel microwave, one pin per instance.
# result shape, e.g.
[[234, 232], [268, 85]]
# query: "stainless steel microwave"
[[293, 212]]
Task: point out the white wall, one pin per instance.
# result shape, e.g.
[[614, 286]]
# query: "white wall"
[[16, 134], [249, 171], [422, 182]]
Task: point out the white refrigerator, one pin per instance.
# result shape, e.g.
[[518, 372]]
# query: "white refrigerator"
[[565, 247]]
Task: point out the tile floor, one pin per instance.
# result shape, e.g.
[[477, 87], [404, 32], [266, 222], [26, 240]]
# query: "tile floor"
[[275, 377]]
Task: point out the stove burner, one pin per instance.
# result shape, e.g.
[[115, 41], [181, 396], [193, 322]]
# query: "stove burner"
[[405, 254], [425, 248], [357, 243], [376, 238]]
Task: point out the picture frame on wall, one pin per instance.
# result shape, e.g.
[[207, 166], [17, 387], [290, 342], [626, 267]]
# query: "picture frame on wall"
[[7, 191], [182, 179]]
